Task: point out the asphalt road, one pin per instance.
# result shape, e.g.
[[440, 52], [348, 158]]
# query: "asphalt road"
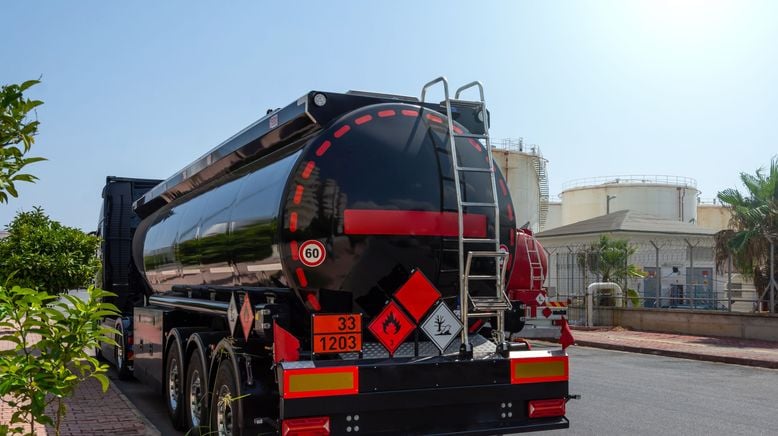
[[628, 394]]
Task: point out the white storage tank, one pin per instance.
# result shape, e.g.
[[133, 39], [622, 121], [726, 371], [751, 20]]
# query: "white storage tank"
[[524, 169], [667, 197]]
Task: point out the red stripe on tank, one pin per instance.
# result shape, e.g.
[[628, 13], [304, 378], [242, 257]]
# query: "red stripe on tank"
[[409, 113], [294, 248], [298, 194], [387, 113], [434, 119], [475, 144], [510, 212], [342, 131], [362, 120], [323, 148], [457, 130], [293, 222], [308, 169], [411, 223], [503, 188], [512, 236], [301, 277]]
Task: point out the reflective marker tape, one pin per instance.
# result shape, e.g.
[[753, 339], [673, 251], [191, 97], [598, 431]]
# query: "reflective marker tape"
[[539, 370], [321, 382]]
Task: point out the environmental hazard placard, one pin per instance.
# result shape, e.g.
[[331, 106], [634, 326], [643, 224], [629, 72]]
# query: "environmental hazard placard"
[[442, 326]]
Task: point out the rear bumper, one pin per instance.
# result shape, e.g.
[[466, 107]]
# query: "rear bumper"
[[437, 396]]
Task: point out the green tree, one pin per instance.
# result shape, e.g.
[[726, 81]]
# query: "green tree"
[[43, 254], [17, 134], [609, 260], [50, 336], [753, 224]]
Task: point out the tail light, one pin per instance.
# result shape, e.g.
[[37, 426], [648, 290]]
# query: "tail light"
[[547, 408], [318, 426]]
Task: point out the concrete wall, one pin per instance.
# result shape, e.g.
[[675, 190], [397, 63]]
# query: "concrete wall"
[[691, 322]]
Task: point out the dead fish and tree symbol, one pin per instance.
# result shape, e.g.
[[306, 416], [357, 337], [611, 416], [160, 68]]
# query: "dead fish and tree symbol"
[[443, 328]]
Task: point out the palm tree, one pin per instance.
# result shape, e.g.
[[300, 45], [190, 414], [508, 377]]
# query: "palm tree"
[[754, 224], [609, 260]]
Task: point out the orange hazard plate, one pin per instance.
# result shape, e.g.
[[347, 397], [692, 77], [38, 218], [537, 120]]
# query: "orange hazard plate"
[[339, 333]]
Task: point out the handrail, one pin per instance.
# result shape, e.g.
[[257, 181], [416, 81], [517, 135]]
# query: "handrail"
[[631, 179]]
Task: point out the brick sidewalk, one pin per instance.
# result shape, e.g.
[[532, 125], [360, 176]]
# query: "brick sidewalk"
[[92, 412], [727, 350]]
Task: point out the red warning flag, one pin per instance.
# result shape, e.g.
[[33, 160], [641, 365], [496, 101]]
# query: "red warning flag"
[[286, 347], [566, 338]]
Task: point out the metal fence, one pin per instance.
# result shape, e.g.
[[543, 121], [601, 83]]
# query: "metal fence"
[[680, 273]]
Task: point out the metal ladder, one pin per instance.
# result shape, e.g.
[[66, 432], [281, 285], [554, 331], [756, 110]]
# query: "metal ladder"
[[482, 306], [536, 272]]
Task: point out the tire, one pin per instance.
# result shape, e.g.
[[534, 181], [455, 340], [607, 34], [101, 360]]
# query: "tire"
[[226, 415], [123, 369], [174, 385], [196, 416]]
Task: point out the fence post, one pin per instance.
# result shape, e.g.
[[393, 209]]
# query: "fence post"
[[691, 270], [658, 278], [773, 286], [729, 282]]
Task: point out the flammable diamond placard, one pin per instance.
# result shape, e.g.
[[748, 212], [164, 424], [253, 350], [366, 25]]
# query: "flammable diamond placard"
[[391, 327], [417, 295], [246, 316], [442, 326]]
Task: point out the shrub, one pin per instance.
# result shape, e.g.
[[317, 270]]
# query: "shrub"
[[43, 254]]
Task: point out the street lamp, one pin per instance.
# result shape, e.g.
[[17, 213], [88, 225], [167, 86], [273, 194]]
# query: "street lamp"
[[608, 203]]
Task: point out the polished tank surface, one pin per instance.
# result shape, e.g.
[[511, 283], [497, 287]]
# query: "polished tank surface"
[[343, 218]]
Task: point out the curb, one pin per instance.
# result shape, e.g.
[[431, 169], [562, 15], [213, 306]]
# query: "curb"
[[681, 354], [151, 429]]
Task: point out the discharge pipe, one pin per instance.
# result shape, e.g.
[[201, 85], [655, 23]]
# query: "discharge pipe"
[[599, 286]]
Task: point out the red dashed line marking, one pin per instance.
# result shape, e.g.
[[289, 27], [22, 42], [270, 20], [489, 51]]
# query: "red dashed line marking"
[[503, 188], [510, 212], [301, 277], [342, 131], [457, 130], [293, 222], [475, 144], [323, 148], [409, 113], [298, 194], [293, 248], [308, 169], [387, 113], [434, 119], [363, 119], [512, 235]]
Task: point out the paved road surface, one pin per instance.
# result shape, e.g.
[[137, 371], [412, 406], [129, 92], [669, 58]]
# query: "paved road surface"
[[630, 394], [635, 394]]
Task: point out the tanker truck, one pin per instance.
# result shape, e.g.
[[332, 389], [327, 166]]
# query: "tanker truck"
[[323, 271]]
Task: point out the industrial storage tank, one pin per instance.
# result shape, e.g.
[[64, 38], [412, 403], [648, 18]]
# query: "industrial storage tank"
[[666, 197], [341, 215], [525, 170]]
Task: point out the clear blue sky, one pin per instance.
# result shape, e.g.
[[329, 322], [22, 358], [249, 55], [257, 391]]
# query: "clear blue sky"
[[141, 89]]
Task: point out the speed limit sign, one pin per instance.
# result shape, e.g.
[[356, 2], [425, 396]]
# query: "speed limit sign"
[[312, 253]]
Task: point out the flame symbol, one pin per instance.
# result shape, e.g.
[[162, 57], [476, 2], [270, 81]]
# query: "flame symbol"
[[391, 320]]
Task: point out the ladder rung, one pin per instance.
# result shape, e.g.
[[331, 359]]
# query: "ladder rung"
[[479, 240], [482, 277], [475, 169], [476, 204], [488, 254], [482, 314], [490, 303], [471, 135]]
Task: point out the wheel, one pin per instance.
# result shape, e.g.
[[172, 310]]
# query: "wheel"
[[226, 410], [120, 354], [174, 386], [195, 398]]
